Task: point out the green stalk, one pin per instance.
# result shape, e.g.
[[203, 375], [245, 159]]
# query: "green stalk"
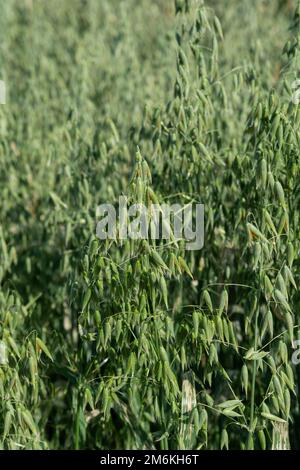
[[254, 373]]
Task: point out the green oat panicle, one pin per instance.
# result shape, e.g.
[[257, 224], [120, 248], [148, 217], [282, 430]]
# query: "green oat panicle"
[[141, 343]]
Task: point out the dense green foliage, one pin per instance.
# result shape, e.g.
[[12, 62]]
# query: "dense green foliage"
[[141, 344]]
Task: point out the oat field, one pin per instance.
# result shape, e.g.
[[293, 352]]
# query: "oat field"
[[141, 343]]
